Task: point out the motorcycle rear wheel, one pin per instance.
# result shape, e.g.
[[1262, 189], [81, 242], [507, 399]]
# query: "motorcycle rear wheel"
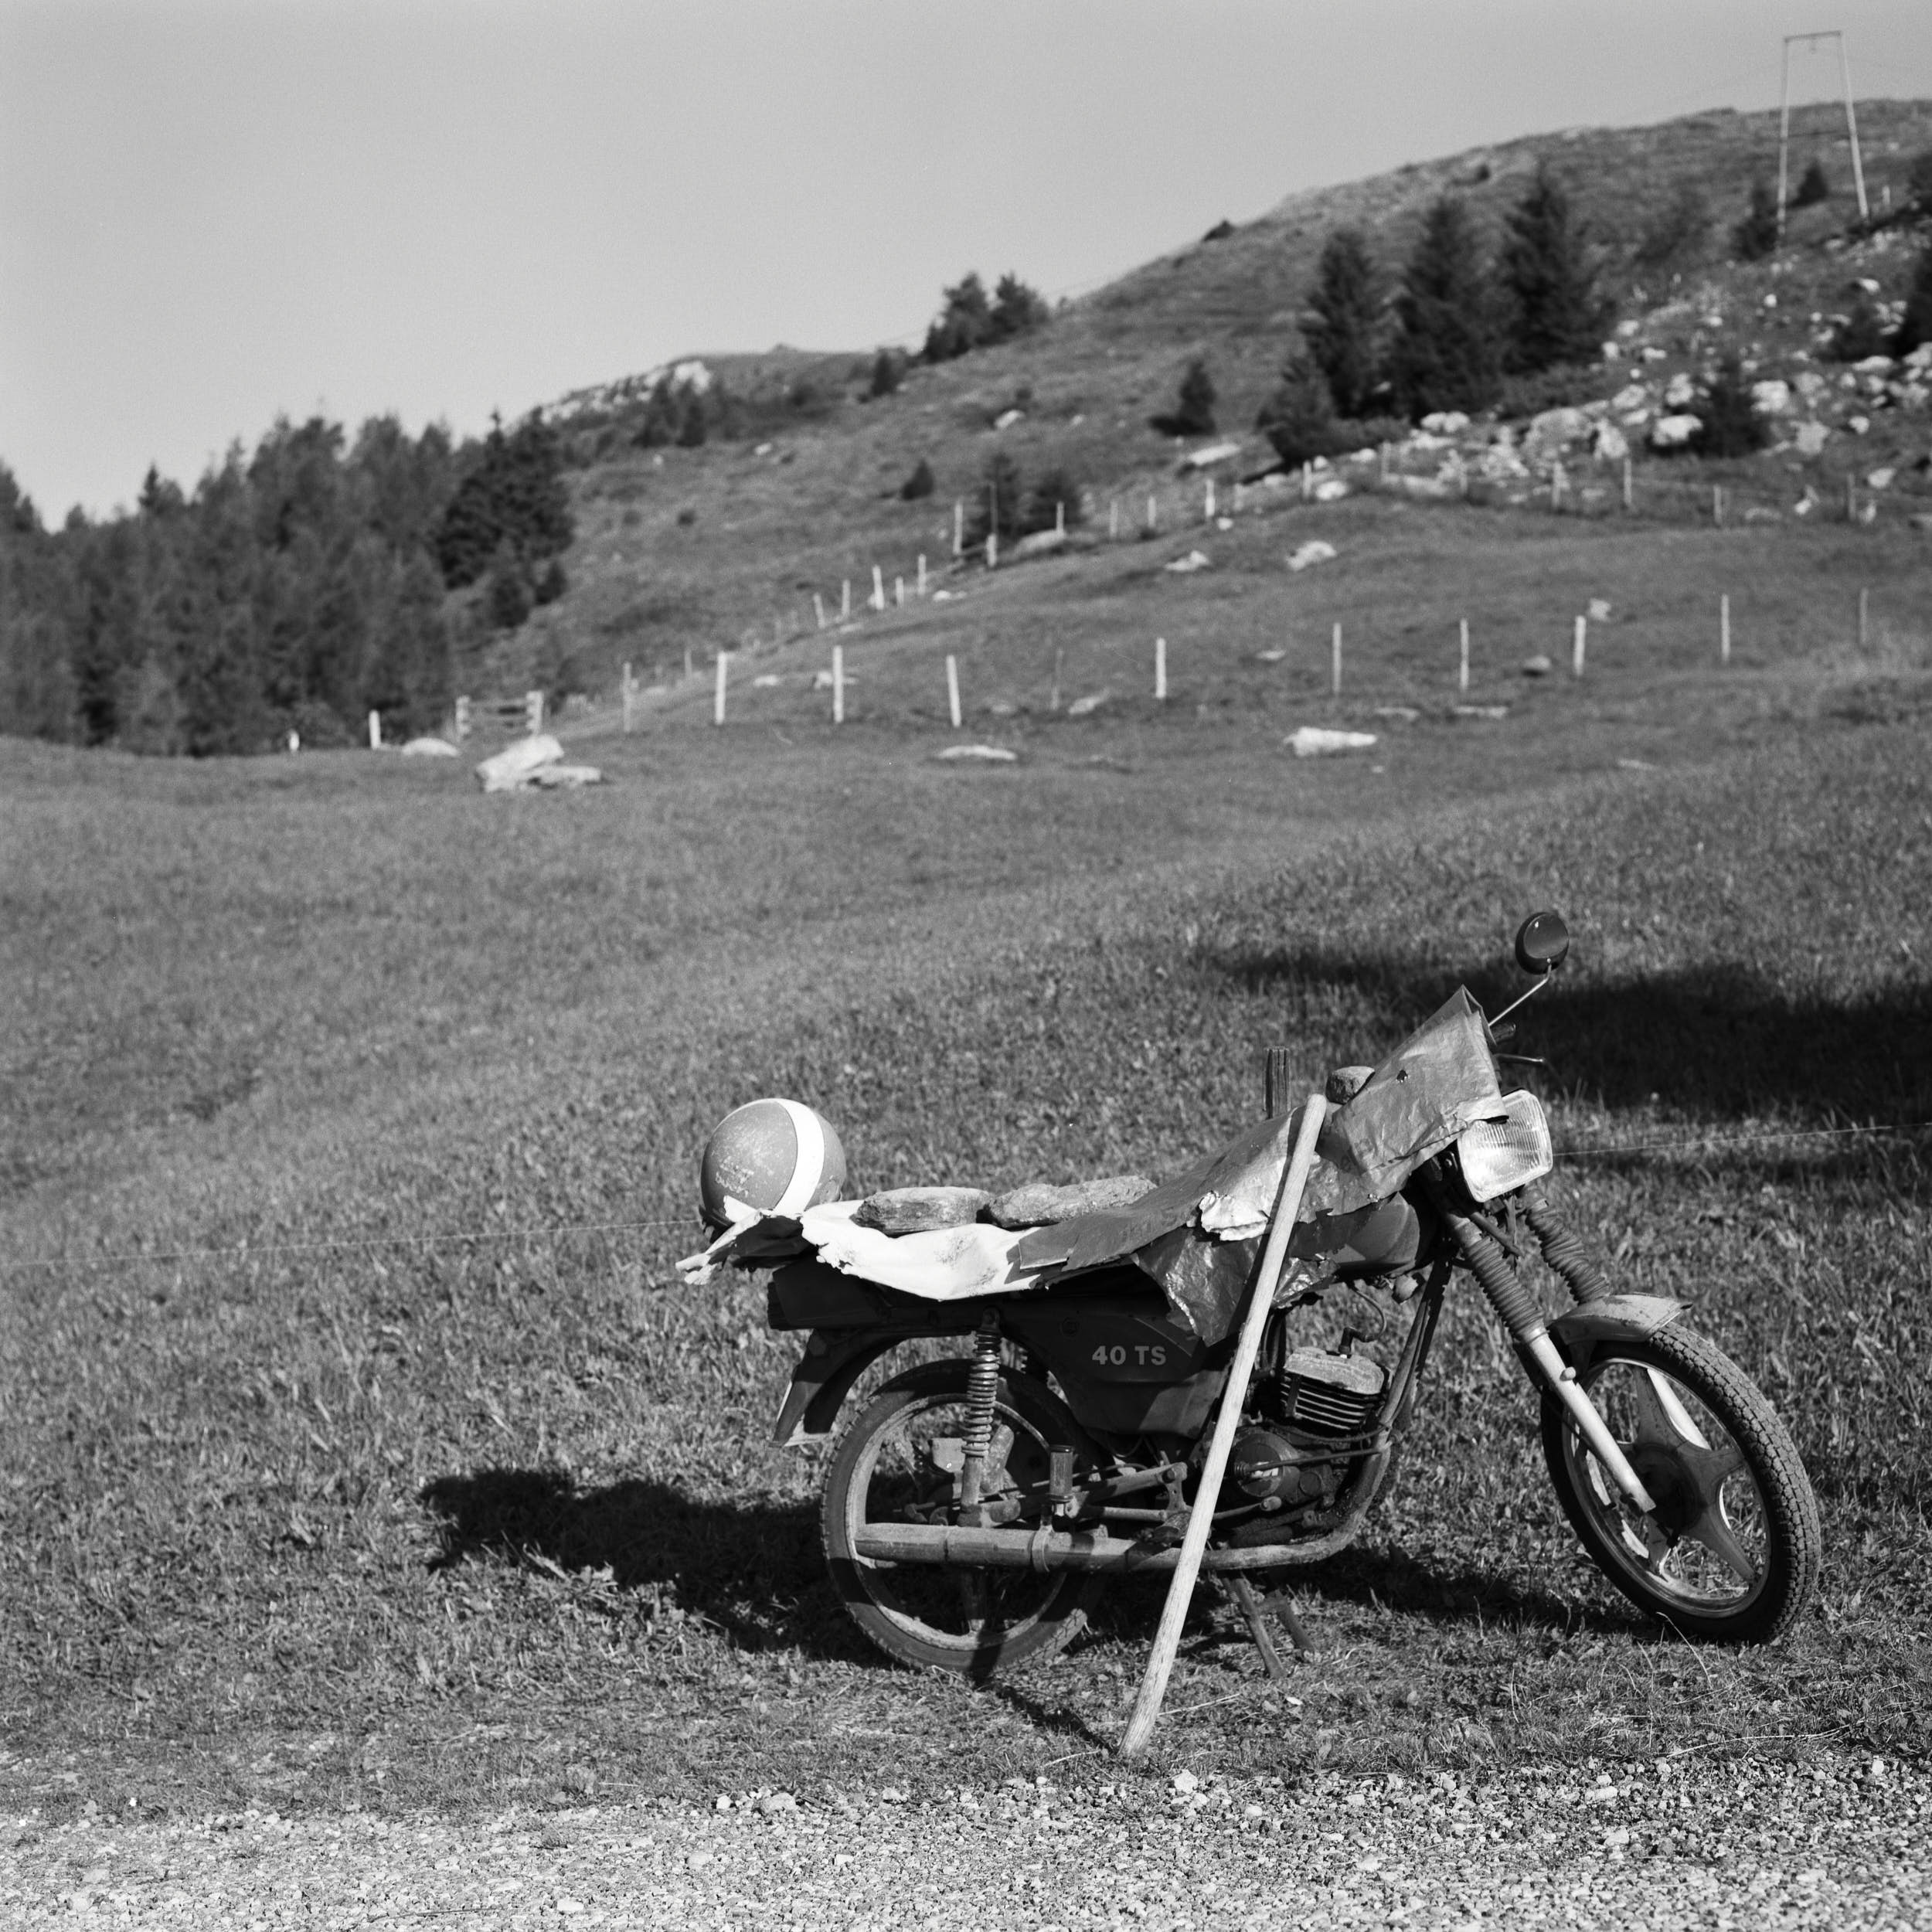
[[976, 1621], [1745, 1542]]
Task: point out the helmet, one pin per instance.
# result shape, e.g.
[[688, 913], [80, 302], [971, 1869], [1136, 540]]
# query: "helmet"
[[769, 1157]]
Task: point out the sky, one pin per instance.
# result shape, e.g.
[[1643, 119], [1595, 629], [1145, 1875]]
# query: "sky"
[[215, 212]]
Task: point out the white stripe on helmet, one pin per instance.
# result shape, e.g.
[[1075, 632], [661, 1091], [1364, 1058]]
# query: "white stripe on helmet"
[[810, 1168]]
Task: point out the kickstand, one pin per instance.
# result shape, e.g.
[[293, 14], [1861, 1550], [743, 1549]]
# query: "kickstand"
[[1251, 1608]]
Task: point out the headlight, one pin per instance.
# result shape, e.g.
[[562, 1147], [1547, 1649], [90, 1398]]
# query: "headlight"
[[1509, 1147]]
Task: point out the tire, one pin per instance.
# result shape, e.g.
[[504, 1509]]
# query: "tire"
[[1732, 1495], [976, 1621]]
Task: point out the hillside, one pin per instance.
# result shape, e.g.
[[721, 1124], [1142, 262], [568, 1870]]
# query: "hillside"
[[713, 546]]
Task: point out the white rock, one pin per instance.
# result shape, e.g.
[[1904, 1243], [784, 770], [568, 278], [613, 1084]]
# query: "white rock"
[[1083, 707], [1445, 422], [1557, 428], [1626, 330], [1880, 479], [1007, 418], [1811, 386], [1874, 365], [1631, 396], [1330, 489], [1810, 438], [1202, 459], [1538, 666], [1194, 560], [989, 754], [1673, 432], [1679, 390], [1317, 741], [511, 768], [428, 748], [1040, 542], [1482, 711], [1771, 396], [765, 680], [1857, 425], [1653, 354], [1314, 551], [1611, 444], [1599, 610]]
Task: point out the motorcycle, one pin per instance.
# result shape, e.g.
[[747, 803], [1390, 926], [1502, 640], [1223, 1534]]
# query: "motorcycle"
[[972, 1503]]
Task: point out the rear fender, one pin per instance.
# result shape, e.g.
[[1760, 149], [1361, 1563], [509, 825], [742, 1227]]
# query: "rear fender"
[[823, 1378], [1612, 1318]]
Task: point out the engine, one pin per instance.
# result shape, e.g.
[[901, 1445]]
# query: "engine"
[[1318, 1397]]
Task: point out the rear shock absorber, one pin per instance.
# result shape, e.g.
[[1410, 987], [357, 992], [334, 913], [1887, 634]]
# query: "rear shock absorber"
[[982, 1388], [1564, 1250]]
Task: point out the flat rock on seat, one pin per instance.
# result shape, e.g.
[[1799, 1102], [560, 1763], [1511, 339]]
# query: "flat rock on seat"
[[917, 1210], [1041, 1205]]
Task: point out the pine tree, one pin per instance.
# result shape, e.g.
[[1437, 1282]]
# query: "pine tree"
[[693, 426], [1016, 310], [963, 323], [1915, 326], [999, 506], [1814, 186], [1756, 236], [919, 483], [1732, 424], [884, 374], [1343, 334], [1194, 404], [1555, 314], [1445, 355], [1054, 501], [1298, 419]]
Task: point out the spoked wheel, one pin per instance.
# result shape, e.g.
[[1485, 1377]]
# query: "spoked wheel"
[[1738, 1557], [901, 1454]]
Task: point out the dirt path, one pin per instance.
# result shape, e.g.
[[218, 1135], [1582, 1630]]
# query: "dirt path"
[[1836, 1842]]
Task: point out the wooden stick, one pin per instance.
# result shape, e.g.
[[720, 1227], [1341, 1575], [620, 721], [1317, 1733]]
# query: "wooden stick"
[[1167, 1641], [921, 590], [1334, 664], [1630, 487], [1724, 628], [959, 528], [1864, 613], [952, 688], [1462, 668], [718, 696], [818, 609], [1160, 670], [1577, 648], [838, 684]]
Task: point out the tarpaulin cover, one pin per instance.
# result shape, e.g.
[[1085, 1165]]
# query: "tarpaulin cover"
[[1199, 1236]]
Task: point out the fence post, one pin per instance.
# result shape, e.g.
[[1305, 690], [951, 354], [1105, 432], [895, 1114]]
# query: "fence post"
[[922, 573], [1207, 501], [959, 527], [718, 696], [818, 609], [1724, 628], [1557, 484], [1462, 667], [1160, 670], [899, 594], [1630, 489], [1237, 496], [533, 711], [462, 719], [838, 684], [1308, 482], [844, 601], [992, 549], [1153, 514], [877, 588], [952, 688], [627, 697], [1060, 517], [1717, 505], [376, 731], [1577, 648], [1334, 664]]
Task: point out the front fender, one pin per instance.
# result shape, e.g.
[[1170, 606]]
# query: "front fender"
[[1612, 1318]]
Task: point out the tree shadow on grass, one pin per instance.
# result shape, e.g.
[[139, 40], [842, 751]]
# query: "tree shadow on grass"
[[753, 1568], [1721, 1041]]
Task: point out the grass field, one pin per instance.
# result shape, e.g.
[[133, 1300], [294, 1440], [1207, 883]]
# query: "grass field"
[[430, 1486]]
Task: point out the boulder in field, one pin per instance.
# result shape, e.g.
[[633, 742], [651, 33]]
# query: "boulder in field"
[[510, 769], [1323, 741]]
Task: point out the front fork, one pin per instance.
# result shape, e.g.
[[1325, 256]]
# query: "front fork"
[[1521, 1315]]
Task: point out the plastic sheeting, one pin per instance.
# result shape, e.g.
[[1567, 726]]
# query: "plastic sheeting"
[[1199, 1236]]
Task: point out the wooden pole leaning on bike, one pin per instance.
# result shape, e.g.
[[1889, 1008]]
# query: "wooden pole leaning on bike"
[[1167, 1641]]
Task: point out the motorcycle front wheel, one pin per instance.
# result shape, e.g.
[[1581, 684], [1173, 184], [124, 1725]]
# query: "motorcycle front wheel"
[[1739, 1555], [897, 1458]]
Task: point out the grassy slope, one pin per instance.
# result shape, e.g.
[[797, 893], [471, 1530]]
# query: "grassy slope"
[[227, 1476], [819, 506]]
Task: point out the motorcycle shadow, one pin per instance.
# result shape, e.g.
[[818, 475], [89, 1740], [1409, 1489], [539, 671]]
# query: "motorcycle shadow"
[[753, 1569]]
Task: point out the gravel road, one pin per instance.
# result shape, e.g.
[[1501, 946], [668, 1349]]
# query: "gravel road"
[[1837, 1841]]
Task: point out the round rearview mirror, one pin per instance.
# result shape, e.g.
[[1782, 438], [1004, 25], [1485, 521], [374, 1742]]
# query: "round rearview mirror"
[[1542, 943]]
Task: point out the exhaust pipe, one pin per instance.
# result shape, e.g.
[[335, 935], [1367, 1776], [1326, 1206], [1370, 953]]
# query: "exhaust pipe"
[[1044, 1550]]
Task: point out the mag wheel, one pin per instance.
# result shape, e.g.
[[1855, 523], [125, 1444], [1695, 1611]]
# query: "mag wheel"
[[897, 1458], [1739, 1555]]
